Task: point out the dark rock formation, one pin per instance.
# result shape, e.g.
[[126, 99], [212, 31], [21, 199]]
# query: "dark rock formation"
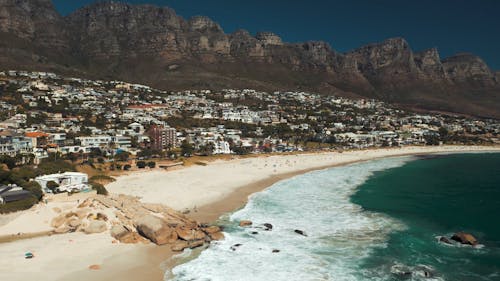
[[268, 226], [444, 240], [300, 232], [153, 45]]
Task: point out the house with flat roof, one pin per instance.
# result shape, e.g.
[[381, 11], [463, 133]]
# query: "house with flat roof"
[[68, 182]]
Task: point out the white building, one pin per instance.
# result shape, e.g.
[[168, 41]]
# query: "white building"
[[68, 182], [95, 141], [222, 147]]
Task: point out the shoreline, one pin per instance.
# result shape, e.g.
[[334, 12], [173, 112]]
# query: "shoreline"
[[210, 213], [137, 262]]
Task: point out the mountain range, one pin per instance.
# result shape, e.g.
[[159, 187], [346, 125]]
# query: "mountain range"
[[155, 46]]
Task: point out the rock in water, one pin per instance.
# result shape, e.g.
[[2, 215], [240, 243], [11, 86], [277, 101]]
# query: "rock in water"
[[244, 223], [156, 230], [216, 236], [268, 226], [444, 240], [464, 238], [301, 232], [212, 229]]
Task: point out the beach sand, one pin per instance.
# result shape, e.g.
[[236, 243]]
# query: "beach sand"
[[206, 191]]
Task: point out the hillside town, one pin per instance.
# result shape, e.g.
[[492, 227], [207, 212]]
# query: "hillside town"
[[45, 116]]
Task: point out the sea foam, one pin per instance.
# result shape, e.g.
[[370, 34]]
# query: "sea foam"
[[339, 233]]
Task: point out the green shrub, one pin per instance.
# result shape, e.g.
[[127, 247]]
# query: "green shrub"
[[52, 185], [141, 164], [34, 188], [101, 178], [127, 167], [18, 205], [152, 164], [99, 188]]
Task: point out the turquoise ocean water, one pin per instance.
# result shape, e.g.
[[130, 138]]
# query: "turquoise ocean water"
[[376, 220]]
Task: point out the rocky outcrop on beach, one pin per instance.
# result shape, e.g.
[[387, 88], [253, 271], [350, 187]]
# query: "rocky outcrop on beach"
[[130, 221], [155, 46]]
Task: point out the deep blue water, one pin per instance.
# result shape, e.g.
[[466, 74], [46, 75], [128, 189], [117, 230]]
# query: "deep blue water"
[[366, 221], [438, 196]]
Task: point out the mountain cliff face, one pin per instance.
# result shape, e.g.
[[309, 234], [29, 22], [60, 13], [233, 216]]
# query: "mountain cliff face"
[[154, 45]]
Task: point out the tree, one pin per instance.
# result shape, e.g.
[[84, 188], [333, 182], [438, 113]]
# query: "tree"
[[72, 157], [34, 188], [122, 156], [152, 164], [186, 148], [52, 185], [9, 161], [141, 164], [127, 167], [99, 188]]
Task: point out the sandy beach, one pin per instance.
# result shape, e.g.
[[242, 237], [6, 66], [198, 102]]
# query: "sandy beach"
[[207, 192]]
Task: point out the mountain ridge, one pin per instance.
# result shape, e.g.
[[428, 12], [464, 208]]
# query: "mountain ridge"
[[154, 45]]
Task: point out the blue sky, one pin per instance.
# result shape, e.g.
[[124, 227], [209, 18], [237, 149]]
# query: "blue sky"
[[450, 25]]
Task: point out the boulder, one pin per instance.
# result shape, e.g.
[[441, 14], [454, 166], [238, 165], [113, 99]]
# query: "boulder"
[[82, 213], [156, 230], [58, 221], [212, 229], [189, 234], [131, 238], [464, 238], [180, 245], [124, 235], [118, 231], [74, 223], [268, 226], [216, 236], [61, 230], [235, 246], [245, 223], [444, 240], [96, 227], [102, 217]]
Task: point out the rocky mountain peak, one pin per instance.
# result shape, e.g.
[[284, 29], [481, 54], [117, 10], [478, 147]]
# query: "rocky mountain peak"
[[269, 38], [27, 17], [204, 24], [464, 66], [393, 52], [140, 42], [429, 63]]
